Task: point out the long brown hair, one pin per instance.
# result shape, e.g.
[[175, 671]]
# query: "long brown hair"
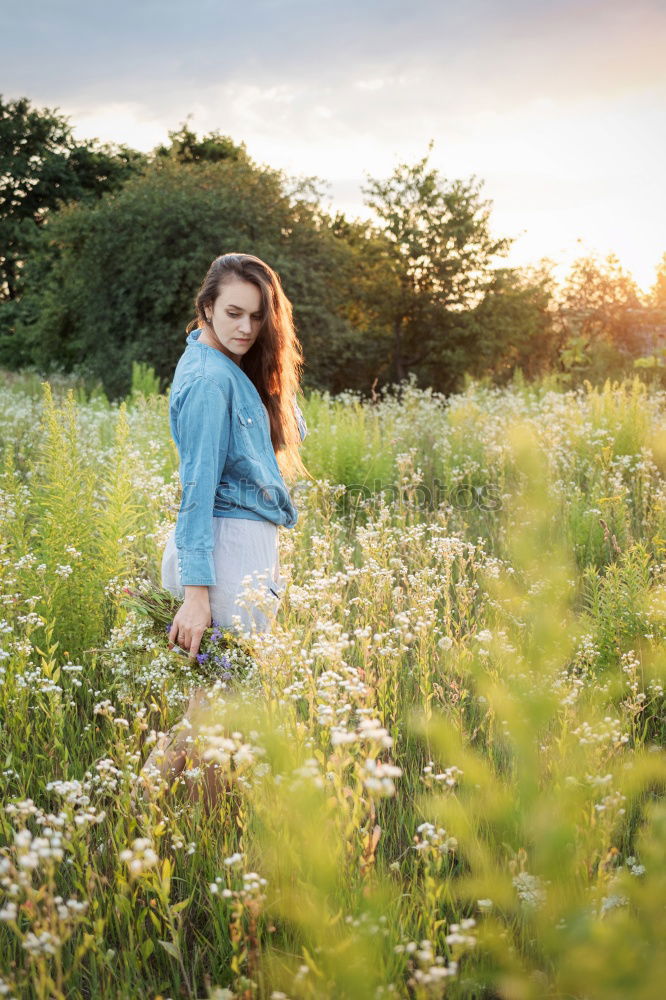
[[274, 363]]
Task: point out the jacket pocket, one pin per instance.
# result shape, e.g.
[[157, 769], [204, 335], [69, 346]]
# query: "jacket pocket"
[[250, 427], [247, 419]]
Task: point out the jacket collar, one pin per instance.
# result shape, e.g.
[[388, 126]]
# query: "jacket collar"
[[193, 338]]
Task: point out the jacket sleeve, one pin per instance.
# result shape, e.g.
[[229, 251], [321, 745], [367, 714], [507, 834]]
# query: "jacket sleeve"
[[203, 424], [300, 420]]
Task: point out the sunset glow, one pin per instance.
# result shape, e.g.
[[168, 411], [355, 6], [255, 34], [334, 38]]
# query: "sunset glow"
[[557, 107]]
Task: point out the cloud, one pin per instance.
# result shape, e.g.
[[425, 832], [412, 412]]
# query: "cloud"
[[556, 104], [479, 52]]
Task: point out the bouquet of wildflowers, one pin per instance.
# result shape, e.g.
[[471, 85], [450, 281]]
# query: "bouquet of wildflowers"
[[223, 654]]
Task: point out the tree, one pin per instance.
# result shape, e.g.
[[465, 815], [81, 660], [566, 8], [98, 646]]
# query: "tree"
[[658, 290], [601, 305], [510, 328], [111, 278], [41, 168], [438, 251], [654, 326], [114, 281], [186, 147]]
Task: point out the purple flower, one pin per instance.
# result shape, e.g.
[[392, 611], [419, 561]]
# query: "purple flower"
[[202, 657]]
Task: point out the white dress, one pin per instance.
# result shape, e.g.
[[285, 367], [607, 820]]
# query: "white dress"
[[242, 547]]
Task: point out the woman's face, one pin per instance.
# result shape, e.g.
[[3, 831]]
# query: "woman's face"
[[236, 317]]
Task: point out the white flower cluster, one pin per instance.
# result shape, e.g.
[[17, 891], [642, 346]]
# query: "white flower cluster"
[[70, 907], [34, 679], [378, 777], [337, 692], [43, 943], [431, 971], [594, 780], [636, 699], [131, 669], [449, 776], [331, 643], [23, 809], [108, 775], [456, 939], [434, 840], [309, 772], [225, 750], [251, 890], [366, 924], [612, 804], [52, 918], [106, 708], [75, 794], [32, 851], [6, 990], [530, 889], [569, 686], [253, 886], [608, 730], [141, 857], [634, 867], [656, 688], [10, 910], [484, 637], [611, 902], [32, 618], [368, 730]]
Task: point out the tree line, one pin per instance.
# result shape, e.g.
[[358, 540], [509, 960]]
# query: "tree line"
[[102, 249]]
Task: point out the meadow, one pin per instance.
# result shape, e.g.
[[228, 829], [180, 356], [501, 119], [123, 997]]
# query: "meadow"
[[446, 777]]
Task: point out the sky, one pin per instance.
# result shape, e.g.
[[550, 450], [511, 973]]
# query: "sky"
[[557, 107]]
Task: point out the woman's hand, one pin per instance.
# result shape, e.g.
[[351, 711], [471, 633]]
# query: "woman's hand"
[[192, 619]]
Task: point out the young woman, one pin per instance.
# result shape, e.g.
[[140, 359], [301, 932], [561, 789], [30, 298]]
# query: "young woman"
[[237, 427]]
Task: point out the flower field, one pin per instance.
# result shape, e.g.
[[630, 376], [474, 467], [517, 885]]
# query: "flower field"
[[445, 776]]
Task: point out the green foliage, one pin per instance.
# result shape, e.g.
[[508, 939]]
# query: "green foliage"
[[78, 525], [42, 168], [601, 303], [104, 249], [144, 380], [617, 602], [186, 147], [115, 281], [606, 325], [446, 775], [438, 253], [347, 441]]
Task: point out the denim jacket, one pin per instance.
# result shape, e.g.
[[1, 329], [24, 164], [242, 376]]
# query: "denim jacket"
[[227, 464]]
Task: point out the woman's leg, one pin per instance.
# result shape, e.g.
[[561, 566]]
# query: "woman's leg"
[[242, 548], [167, 758]]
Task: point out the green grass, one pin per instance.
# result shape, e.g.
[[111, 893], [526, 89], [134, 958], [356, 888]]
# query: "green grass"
[[447, 777]]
